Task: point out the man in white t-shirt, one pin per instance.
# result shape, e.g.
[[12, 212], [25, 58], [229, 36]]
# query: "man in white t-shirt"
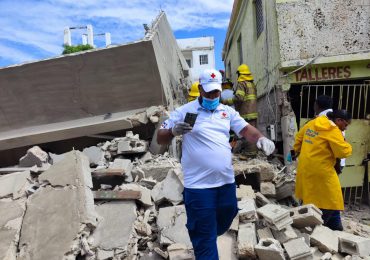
[[209, 183]]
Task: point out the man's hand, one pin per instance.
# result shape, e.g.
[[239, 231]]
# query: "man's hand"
[[266, 145], [181, 128]]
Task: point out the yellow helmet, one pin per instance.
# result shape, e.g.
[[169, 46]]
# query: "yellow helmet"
[[194, 90], [244, 69]]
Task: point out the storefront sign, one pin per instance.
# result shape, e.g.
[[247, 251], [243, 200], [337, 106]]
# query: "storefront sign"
[[323, 73]]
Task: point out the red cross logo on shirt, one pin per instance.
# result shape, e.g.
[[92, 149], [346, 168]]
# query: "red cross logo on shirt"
[[213, 75], [223, 115]]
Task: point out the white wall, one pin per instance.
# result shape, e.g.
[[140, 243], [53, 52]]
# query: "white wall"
[[196, 68]]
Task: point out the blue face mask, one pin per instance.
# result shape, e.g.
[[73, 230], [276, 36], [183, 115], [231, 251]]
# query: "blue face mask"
[[210, 104]]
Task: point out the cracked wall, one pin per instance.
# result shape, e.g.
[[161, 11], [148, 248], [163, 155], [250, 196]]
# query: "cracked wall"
[[309, 28]]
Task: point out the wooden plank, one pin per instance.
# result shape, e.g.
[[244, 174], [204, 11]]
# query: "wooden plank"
[[117, 195], [107, 172]]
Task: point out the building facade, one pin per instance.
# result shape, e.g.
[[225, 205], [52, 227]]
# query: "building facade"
[[297, 50], [199, 54]]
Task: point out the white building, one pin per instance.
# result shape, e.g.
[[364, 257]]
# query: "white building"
[[199, 54]]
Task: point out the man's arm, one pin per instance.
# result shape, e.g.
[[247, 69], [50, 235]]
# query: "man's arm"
[[164, 136], [251, 133]]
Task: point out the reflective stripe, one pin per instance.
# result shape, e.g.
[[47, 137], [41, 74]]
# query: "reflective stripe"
[[250, 97], [250, 116], [240, 93], [229, 101]]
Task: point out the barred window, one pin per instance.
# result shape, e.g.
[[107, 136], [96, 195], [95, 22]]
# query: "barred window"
[[203, 59], [259, 17]]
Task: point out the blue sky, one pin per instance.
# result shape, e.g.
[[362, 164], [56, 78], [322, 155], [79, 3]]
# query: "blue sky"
[[33, 29]]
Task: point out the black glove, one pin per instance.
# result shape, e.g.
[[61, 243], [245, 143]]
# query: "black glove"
[[337, 166]]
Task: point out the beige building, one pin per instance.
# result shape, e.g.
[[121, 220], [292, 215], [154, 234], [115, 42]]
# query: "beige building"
[[297, 50]]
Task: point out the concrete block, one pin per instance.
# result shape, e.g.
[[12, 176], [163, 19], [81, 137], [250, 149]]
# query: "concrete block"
[[247, 240], [34, 156], [14, 184], [125, 165], [132, 146], [158, 171], [115, 223], [247, 210], [226, 245], [285, 234], [275, 216], [95, 155], [353, 245], [268, 249], [316, 254], [264, 233], [268, 189], [306, 216], [179, 252], [261, 200], [10, 226], [145, 198], [245, 192], [325, 239], [171, 223], [285, 189], [235, 224], [306, 236], [297, 249], [170, 188]]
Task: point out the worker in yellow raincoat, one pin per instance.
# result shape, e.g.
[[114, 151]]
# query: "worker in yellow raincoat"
[[318, 144]]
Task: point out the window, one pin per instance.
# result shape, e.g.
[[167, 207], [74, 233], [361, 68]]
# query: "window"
[[203, 59], [240, 50], [259, 17], [188, 62]]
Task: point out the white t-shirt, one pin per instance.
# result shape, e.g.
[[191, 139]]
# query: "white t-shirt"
[[206, 153]]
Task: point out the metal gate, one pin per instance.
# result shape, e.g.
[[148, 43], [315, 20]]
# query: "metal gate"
[[354, 98]]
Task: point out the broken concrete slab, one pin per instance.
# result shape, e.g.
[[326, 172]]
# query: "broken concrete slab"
[[170, 188], [247, 240], [268, 249], [35, 156], [115, 224], [264, 169], [10, 225], [297, 249], [171, 222], [325, 239], [264, 233], [247, 210], [73, 170], [285, 234], [284, 189], [306, 216], [131, 145], [125, 165], [268, 189], [14, 184], [179, 251], [95, 155], [157, 169], [353, 245], [47, 222], [54, 158], [244, 192], [275, 216], [227, 247], [145, 198]]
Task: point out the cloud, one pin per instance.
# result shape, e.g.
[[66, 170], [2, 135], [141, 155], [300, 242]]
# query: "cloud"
[[27, 25]]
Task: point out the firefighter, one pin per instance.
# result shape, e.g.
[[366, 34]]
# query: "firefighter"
[[194, 91], [245, 102]]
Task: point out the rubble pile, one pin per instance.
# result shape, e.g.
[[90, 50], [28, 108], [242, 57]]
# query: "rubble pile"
[[116, 200]]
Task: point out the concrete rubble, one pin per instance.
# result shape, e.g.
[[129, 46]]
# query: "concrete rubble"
[[104, 203]]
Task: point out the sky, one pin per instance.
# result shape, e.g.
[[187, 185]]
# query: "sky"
[[31, 30]]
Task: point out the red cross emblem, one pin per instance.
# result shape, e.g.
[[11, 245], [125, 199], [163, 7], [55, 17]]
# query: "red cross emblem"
[[223, 115], [213, 75]]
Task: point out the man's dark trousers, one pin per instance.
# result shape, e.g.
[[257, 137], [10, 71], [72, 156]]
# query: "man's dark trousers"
[[210, 213]]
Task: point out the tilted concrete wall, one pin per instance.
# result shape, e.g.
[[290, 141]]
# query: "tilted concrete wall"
[[68, 96], [313, 28]]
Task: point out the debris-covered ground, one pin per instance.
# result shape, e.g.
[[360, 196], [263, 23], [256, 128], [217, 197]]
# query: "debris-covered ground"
[[116, 200]]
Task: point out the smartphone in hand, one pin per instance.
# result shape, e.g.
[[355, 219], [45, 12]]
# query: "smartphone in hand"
[[190, 118]]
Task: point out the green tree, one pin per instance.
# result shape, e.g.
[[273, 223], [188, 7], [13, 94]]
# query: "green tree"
[[77, 48]]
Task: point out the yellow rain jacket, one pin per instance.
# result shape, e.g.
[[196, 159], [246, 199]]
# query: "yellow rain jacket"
[[319, 143]]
